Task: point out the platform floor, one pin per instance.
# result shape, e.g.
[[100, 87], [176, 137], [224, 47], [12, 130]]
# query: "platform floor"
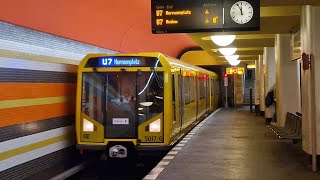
[[236, 144]]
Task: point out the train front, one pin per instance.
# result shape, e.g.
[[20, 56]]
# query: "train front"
[[120, 105]]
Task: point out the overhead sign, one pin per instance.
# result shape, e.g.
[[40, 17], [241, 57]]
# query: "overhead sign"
[[187, 16], [232, 70]]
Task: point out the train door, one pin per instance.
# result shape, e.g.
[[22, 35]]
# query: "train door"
[[120, 105], [212, 94], [197, 95], [207, 94], [180, 96], [175, 103]]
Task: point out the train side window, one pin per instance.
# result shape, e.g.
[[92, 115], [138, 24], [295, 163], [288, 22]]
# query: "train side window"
[[212, 87], [186, 85], [192, 89], [173, 89], [202, 88], [173, 97], [150, 95]]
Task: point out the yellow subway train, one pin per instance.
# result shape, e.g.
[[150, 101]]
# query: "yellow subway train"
[[136, 103]]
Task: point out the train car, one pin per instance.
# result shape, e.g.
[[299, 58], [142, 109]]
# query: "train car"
[[129, 103]]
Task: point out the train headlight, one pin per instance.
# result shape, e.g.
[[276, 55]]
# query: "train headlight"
[[155, 126], [87, 125]]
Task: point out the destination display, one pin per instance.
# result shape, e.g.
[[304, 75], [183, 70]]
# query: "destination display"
[[123, 61], [188, 16]]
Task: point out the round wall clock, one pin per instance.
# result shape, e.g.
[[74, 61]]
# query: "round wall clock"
[[241, 12]]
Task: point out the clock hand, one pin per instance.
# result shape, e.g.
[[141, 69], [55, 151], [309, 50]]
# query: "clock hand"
[[240, 9]]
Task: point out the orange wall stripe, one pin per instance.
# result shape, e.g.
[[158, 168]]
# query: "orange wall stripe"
[[20, 115], [11, 91]]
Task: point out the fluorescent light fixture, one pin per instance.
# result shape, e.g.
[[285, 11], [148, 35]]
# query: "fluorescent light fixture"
[[155, 126], [234, 63], [232, 58], [159, 97], [227, 51], [140, 109], [251, 66], [146, 104], [87, 125], [223, 40]]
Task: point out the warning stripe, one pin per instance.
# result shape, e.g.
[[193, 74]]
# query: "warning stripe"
[[19, 115], [11, 91]]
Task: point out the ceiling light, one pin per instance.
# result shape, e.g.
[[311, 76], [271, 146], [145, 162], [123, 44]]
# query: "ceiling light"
[[223, 40], [234, 63], [227, 51], [232, 58]]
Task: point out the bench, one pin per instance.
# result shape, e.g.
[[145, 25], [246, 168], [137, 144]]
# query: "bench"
[[292, 129]]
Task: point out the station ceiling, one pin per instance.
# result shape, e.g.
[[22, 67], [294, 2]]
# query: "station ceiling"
[[125, 26]]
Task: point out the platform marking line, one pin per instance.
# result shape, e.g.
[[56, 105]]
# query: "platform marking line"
[[175, 150], [164, 163], [180, 145], [168, 157], [150, 177], [157, 170]]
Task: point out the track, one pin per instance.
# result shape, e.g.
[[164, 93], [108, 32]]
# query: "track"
[[117, 169]]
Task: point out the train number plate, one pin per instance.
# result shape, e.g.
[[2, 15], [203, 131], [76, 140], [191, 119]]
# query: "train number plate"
[[120, 121]]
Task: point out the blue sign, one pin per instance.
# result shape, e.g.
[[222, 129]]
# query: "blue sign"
[[114, 61]]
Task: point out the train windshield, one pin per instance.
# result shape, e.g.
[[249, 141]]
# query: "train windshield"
[[122, 100]]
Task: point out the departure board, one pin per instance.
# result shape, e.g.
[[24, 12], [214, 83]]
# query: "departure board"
[[188, 16]]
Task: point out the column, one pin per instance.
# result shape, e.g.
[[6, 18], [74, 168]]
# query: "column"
[[261, 82], [269, 78], [257, 86], [288, 81], [310, 44]]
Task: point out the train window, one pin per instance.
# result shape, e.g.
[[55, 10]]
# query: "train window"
[[93, 94], [186, 89], [192, 89], [173, 97], [212, 87], [150, 95], [173, 89], [202, 88], [217, 90]]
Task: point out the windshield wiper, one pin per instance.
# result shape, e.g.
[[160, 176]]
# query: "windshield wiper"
[[157, 77]]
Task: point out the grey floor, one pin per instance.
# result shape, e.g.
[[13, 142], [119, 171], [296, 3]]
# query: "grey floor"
[[235, 144]]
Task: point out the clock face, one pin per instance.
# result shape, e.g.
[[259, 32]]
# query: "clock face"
[[241, 12]]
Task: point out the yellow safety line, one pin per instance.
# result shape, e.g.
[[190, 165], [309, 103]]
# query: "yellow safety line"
[[34, 146], [34, 57], [33, 102]]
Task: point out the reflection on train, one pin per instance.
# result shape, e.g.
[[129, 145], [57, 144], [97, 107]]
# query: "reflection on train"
[[129, 103]]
